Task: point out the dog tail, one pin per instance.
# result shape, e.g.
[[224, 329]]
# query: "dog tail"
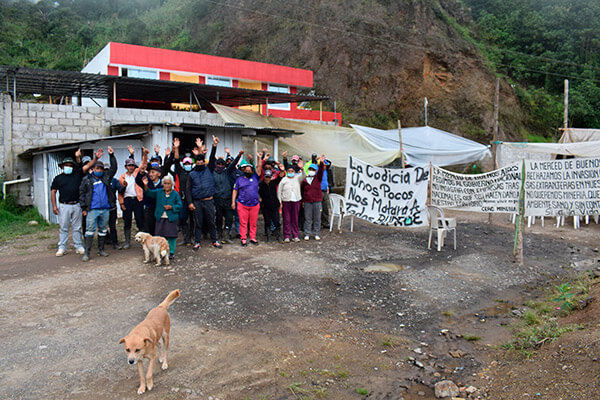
[[169, 299]]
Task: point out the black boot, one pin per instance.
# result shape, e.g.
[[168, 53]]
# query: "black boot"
[[101, 251], [114, 240], [277, 234], [268, 234], [88, 247], [127, 239]]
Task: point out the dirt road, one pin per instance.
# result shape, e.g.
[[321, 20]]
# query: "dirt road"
[[306, 320]]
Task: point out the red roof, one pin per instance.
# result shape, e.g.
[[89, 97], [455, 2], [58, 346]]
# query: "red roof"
[[182, 61]]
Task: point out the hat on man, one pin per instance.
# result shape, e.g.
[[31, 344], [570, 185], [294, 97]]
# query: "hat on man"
[[156, 168], [86, 159], [313, 166], [270, 160], [268, 173], [156, 157], [295, 157], [67, 160], [130, 161], [99, 164], [188, 160], [245, 164], [220, 161]]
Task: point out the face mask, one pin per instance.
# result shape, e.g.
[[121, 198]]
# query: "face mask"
[[68, 170], [98, 174], [247, 174], [220, 168], [187, 167], [312, 173], [291, 174], [298, 173], [200, 167]]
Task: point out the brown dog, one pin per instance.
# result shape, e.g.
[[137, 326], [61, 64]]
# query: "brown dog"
[[144, 338], [155, 245]]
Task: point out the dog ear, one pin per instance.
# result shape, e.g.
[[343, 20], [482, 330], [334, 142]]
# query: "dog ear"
[[148, 340], [122, 341]]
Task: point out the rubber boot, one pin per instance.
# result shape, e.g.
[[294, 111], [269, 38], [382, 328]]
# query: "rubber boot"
[[277, 234], [127, 239], [268, 234], [88, 247], [101, 252], [114, 240]]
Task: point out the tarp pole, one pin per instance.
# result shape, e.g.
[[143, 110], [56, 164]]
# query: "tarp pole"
[[520, 223], [400, 140], [495, 133], [566, 116]]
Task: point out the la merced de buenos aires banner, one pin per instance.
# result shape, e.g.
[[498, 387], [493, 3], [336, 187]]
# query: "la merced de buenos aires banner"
[[386, 196]]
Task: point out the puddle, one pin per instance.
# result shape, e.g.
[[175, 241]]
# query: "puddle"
[[384, 267], [419, 392]]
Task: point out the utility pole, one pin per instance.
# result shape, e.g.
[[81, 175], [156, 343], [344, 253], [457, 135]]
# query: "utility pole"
[[566, 117], [495, 132]]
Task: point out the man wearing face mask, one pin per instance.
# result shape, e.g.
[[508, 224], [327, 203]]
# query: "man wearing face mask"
[[224, 180], [200, 191], [96, 198], [154, 175], [68, 209], [313, 197], [131, 198], [182, 172]]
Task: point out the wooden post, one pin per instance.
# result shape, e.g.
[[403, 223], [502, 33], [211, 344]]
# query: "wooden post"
[[495, 132], [400, 141], [320, 111], [566, 116], [520, 223]]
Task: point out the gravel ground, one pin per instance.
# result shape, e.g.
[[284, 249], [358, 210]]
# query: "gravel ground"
[[312, 319]]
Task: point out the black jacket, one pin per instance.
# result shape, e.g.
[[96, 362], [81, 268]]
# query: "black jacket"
[[86, 189]]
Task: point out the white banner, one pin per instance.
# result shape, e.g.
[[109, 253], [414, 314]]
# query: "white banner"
[[562, 187], [385, 196], [496, 191]]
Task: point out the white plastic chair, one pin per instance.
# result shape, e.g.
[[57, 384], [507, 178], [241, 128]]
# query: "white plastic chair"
[[441, 224], [337, 207]]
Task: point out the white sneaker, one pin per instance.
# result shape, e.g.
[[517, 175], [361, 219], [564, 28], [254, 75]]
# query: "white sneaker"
[[60, 253], [80, 250], [286, 240], [306, 237], [296, 239], [317, 237]]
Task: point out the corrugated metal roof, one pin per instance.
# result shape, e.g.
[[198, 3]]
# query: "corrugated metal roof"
[[71, 83]]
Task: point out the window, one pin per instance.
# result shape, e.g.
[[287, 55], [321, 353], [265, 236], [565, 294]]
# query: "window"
[[279, 89], [139, 73], [211, 80]]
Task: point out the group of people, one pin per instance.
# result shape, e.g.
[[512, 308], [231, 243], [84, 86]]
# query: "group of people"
[[220, 197]]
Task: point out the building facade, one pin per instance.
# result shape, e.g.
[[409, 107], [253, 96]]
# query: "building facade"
[[134, 61]]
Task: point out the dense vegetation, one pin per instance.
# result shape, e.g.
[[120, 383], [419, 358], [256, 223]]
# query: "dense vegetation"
[[534, 44], [539, 43]]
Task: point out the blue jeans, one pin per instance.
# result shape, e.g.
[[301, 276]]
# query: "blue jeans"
[[97, 218]]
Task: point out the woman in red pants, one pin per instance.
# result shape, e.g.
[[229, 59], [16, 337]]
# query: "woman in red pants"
[[245, 191]]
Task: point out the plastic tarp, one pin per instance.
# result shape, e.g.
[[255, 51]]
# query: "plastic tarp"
[[333, 141], [572, 135], [509, 155], [579, 149], [425, 144]]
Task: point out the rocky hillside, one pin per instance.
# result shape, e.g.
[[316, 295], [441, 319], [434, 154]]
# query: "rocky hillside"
[[378, 59]]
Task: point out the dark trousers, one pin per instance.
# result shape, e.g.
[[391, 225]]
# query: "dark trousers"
[[112, 226], [301, 216], [223, 211], [186, 223], [325, 214], [149, 220], [204, 213], [271, 216], [133, 208]]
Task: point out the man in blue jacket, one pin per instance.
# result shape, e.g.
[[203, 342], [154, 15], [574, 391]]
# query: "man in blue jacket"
[[96, 198], [200, 191]]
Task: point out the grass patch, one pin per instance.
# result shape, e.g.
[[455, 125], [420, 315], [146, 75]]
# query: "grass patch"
[[14, 220], [448, 313], [540, 324], [391, 341], [362, 391], [471, 338]]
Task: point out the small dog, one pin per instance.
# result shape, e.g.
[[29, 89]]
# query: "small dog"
[[144, 338], [155, 245]]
